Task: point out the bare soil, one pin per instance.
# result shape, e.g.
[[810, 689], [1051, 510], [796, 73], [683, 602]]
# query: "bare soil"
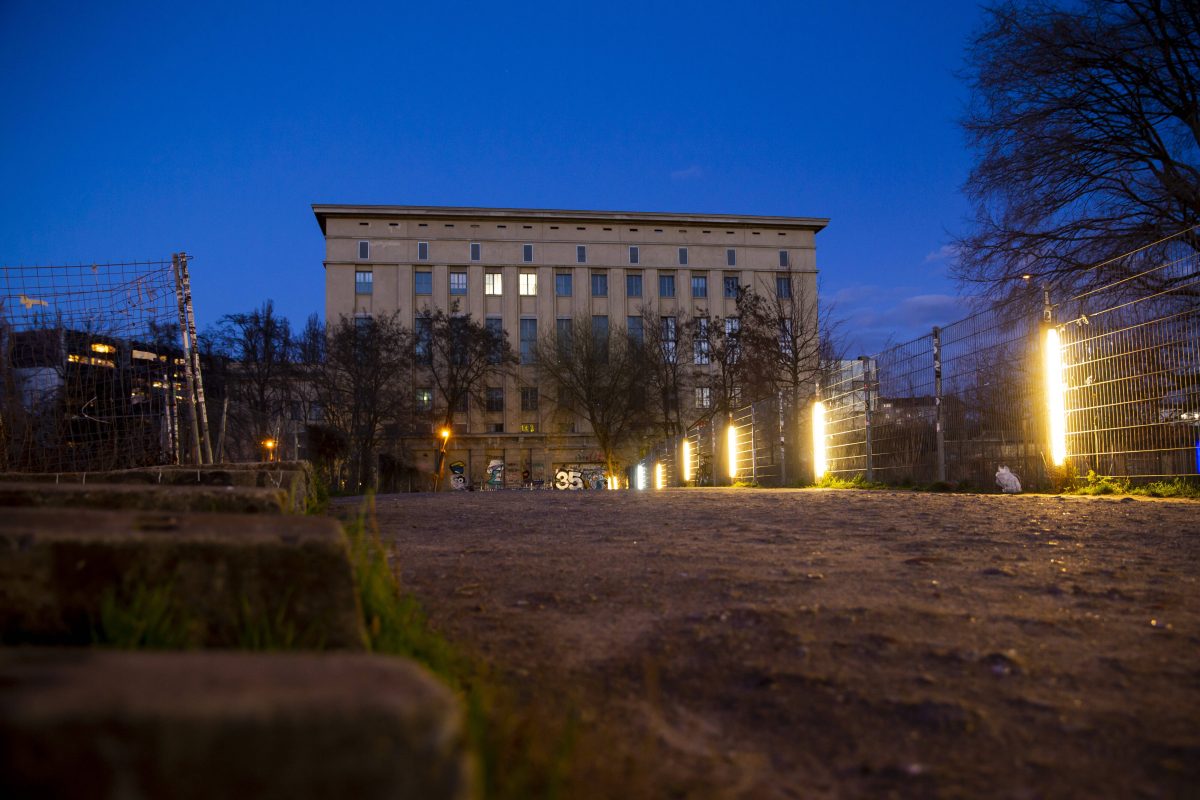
[[821, 643]]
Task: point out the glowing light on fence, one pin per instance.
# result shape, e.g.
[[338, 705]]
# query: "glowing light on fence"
[[660, 476], [1056, 402], [687, 461], [641, 477], [731, 449], [820, 460]]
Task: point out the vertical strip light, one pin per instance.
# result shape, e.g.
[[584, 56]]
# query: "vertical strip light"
[[641, 477], [1056, 402], [731, 450], [660, 476], [686, 472], [820, 459]]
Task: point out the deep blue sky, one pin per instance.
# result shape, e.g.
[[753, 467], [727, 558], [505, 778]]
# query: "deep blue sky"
[[134, 129]]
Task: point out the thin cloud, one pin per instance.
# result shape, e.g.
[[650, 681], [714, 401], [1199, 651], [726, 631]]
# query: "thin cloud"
[[687, 174], [946, 252]]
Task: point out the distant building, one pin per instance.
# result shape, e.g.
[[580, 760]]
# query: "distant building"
[[530, 270]]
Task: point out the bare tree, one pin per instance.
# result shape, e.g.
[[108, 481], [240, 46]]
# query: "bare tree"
[[783, 339], [666, 354], [598, 373], [458, 355], [1086, 122], [363, 386]]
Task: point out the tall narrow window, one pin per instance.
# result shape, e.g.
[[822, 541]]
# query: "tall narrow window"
[[731, 257], [786, 340], [458, 283], [422, 251], [732, 345], [599, 284], [364, 281], [633, 284], [424, 399], [527, 253], [703, 397], [683, 257], [528, 340], [581, 253], [783, 258], [492, 283], [666, 284], [529, 398], [476, 251], [364, 250], [670, 337], [564, 335], [494, 398], [783, 286], [731, 286], [423, 339], [422, 282], [699, 286], [701, 344], [528, 284], [495, 326], [634, 255], [562, 284], [600, 327], [637, 333]]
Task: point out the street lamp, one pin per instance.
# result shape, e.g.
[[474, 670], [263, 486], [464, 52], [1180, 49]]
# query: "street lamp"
[[269, 446]]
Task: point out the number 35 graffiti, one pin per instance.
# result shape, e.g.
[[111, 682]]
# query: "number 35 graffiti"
[[572, 478]]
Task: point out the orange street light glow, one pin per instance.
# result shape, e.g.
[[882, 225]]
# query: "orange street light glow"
[[687, 461], [1055, 391], [820, 461], [731, 449]]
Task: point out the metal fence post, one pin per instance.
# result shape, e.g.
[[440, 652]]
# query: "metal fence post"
[[866, 368], [189, 378], [753, 442], [189, 310], [937, 404]]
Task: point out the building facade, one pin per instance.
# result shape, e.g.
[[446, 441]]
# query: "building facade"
[[529, 271]]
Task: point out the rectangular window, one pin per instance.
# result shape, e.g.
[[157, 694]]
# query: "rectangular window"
[[637, 333], [783, 286], [528, 340], [476, 251], [458, 283], [528, 281], [731, 257], [732, 346], [786, 338], [699, 286], [703, 397], [495, 427], [422, 282], [527, 253], [422, 251], [364, 281], [495, 326], [669, 334], [424, 399], [528, 427], [494, 398], [599, 327], [683, 256], [562, 284], [423, 340], [731, 286], [364, 251], [633, 284], [666, 284], [783, 258], [581, 253], [701, 345], [460, 407], [529, 398], [634, 255], [492, 283], [563, 332], [599, 284]]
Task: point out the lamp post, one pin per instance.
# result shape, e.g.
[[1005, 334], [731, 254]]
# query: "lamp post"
[[444, 434], [269, 449]]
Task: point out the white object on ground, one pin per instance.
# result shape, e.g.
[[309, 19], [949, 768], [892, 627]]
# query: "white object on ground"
[[1007, 481]]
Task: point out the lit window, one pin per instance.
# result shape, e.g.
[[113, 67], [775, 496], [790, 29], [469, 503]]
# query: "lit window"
[[562, 284], [731, 257], [666, 284], [783, 258], [683, 257], [422, 251], [731, 286], [599, 284], [581, 253], [364, 281], [783, 286], [424, 399], [476, 251], [633, 284], [699, 286], [527, 253], [458, 283], [364, 250], [492, 283], [634, 255], [703, 397], [528, 282], [422, 282]]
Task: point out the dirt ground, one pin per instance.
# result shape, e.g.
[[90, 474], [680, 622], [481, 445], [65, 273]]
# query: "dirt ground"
[[821, 643]]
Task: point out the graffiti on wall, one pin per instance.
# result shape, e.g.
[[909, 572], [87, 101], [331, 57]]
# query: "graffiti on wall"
[[458, 476], [575, 477], [495, 470]]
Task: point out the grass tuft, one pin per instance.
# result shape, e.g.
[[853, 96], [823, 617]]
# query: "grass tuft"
[[147, 619]]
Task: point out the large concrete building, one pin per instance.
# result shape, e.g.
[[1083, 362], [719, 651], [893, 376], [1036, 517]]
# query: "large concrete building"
[[528, 270]]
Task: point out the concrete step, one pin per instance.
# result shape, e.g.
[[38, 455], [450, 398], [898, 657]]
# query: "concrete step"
[[255, 581], [93, 723], [137, 497]]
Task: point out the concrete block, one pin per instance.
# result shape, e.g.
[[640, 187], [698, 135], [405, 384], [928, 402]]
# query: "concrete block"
[[108, 724], [177, 580], [134, 497]]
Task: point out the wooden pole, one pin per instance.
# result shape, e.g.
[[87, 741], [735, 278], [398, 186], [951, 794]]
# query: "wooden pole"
[[201, 409], [187, 361]]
